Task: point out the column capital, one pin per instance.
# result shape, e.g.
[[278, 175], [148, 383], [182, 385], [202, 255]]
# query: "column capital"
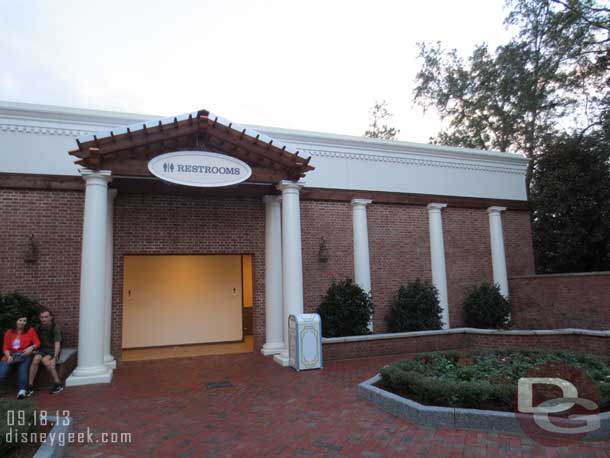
[[96, 176], [436, 207], [272, 199], [287, 185], [491, 210], [361, 202]]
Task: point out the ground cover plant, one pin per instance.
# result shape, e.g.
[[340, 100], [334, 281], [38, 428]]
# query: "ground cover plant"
[[483, 380]]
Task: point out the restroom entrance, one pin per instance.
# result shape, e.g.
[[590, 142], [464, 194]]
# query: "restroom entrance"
[[185, 300]]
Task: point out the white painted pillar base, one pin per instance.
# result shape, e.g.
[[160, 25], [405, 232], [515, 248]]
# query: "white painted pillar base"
[[362, 266], [274, 310], [108, 358], [437, 256], [90, 367], [292, 261], [498, 255]]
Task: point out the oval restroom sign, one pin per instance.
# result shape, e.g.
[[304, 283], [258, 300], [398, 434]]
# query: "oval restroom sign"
[[199, 168]]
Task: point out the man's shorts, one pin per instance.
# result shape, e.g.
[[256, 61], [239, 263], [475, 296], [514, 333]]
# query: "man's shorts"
[[44, 353]]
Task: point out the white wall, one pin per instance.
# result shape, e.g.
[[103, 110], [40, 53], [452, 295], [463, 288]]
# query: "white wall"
[[173, 300], [36, 139]]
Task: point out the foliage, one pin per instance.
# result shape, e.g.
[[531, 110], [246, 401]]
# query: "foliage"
[[23, 414], [485, 307], [15, 305], [556, 67], [481, 380], [380, 112], [415, 308], [547, 88], [346, 310], [570, 194]]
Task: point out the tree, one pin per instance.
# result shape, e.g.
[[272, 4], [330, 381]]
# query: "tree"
[[545, 93], [513, 98], [380, 112], [571, 199]]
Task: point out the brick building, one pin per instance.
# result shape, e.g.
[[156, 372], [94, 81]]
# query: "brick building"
[[130, 256]]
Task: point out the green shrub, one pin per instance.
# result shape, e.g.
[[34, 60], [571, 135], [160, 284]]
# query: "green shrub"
[[19, 414], [346, 310], [485, 307], [415, 308], [482, 380], [15, 305]]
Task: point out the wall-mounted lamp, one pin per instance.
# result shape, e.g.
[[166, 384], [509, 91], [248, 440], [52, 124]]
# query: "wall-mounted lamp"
[[323, 252], [31, 252]]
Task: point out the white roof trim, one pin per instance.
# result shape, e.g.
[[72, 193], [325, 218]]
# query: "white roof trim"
[[317, 140]]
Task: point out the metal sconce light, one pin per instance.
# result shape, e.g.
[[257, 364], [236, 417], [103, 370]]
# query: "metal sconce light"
[[31, 252], [323, 253]]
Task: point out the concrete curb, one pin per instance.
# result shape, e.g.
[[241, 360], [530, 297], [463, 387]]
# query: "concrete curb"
[[56, 449], [513, 332], [450, 417]]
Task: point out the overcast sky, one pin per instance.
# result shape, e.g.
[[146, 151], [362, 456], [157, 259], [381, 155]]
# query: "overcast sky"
[[311, 65]]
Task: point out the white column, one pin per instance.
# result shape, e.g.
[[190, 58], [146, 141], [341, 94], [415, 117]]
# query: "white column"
[[90, 367], [108, 358], [292, 263], [362, 266], [498, 256], [274, 313], [437, 255]]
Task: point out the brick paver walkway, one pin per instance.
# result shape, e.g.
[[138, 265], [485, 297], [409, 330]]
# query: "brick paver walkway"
[[269, 411]]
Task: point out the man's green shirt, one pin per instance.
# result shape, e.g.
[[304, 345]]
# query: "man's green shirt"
[[48, 335]]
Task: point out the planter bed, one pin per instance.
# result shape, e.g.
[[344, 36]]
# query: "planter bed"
[[475, 389]]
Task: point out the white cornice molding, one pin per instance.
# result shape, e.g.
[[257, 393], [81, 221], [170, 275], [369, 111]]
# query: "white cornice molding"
[[419, 160], [73, 122], [41, 130], [323, 141]]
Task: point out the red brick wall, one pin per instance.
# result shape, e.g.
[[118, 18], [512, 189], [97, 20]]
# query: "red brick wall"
[[418, 343], [399, 250], [333, 221], [397, 346], [467, 255], [165, 224], [561, 301], [518, 243], [55, 219], [399, 246], [468, 252]]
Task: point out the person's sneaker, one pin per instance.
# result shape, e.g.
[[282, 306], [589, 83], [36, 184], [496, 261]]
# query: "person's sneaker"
[[21, 394], [29, 391], [57, 388]]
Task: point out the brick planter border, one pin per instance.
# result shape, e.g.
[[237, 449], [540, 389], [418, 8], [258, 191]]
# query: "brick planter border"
[[582, 340], [450, 417]]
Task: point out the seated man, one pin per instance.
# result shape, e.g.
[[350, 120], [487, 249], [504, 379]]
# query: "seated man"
[[50, 346]]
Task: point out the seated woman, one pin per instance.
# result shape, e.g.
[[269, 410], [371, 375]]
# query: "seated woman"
[[19, 344]]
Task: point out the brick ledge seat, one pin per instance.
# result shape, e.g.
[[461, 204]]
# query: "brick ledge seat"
[[65, 366]]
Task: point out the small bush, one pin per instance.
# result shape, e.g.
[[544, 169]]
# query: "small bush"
[[14, 305], [485, 307], [16, 417], [415, 308], [346, 310], [482, 380]]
